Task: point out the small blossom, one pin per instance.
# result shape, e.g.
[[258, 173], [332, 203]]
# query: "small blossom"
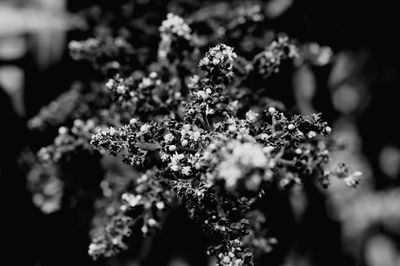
[[175, 167], [328, 130], [311, 134], [168, 138], [291, 126], [251, 116], [131, 199], [151, 222], [160, 205], [175, 25], [272, 110], [172, 148], [62, 130], [145, 128], [133, 121], [186, 170], [184, 143]]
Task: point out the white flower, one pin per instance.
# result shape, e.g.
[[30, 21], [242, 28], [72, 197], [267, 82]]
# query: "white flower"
[[160, 205], [174, 167], [328, 130], [131, 199], [164, 156], [145, 128], [172, 148], [353, 180], [250, 154], [112, 131], [62, 131], [121, 89], [175, 25], [251, 116], [146, 82], [133, 121], [110, 83], [176, 158], [268, 149], [168, 138], [311, 134], [205, 61], [193, 81], [232, 128], [272, 110], [186, 170], [184, 143]]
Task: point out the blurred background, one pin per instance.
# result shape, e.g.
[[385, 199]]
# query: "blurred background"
[[357, 93]]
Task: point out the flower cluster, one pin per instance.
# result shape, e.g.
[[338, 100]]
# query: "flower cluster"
[[218, 63], [47, 188], [211, 144], [175, 25], [238, 163], [112, 241], [68, 140], [147, 96], [177, 42], [269, 61], [145, 205], [219, 166]]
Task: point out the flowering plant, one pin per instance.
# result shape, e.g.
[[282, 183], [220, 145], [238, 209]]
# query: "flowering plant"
[[196, 132]]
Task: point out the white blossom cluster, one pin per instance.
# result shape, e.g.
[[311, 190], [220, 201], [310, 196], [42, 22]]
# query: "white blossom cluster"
[[175, 25], [221, 54]]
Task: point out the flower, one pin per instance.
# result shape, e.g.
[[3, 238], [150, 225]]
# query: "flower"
[[251, 116], [186, 170], [168, 138], [131, 199]]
